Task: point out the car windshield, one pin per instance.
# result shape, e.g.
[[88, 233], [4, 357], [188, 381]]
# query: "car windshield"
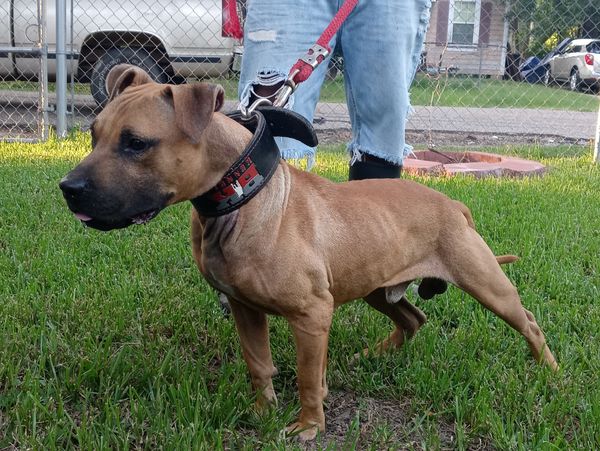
[[594, 47]]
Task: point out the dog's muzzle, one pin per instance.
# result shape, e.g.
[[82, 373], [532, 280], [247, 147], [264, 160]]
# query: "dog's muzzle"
[[101, 212]]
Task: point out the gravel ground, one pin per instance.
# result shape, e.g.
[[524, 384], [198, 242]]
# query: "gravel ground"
[[519, 122], [441, 126], [422, 139]]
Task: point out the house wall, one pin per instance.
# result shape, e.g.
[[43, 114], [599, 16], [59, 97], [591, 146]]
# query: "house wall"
[[487, 58]]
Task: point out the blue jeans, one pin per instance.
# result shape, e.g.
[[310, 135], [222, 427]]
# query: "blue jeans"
[[381, 42]]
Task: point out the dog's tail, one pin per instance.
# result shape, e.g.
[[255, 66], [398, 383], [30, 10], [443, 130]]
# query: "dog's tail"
[[504, 259]]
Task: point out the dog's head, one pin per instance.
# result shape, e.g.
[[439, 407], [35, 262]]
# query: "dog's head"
[[147, 144]]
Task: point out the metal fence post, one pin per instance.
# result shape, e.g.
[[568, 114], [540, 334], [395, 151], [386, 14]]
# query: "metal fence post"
[[43, 72], [61, 68], [597, 140]]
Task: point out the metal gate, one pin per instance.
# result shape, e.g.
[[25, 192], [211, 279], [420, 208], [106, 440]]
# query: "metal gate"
[[23, 71]]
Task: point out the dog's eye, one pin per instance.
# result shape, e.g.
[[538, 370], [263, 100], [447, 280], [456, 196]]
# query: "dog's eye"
[[133, 144], [137, 145]]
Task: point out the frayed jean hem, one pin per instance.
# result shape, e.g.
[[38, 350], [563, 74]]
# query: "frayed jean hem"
[[356, 152]]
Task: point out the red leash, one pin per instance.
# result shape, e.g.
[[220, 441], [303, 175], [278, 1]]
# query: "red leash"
[[316, 54], [305, 66], [231, 27]]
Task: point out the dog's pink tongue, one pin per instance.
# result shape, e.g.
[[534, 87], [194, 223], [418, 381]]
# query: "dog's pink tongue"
[[83, 217]]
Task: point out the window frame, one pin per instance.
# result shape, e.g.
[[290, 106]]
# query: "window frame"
[[593, 47], [476, 24]]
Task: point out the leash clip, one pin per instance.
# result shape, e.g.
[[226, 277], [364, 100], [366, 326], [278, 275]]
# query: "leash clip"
[[281, 97], [247, 111], [286, 90]]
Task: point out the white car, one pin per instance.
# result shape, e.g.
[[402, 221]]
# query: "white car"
[[578, 63], [170, 40]]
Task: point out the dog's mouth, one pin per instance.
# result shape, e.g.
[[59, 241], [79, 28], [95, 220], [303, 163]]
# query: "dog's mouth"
[[145, 217], [100, 224]]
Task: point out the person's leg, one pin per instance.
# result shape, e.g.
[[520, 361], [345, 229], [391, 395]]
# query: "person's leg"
[[276, 34], [381, 43]]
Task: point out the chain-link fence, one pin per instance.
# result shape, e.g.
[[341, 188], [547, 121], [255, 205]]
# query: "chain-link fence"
[[23, 71], [175, 42], [528, 69]]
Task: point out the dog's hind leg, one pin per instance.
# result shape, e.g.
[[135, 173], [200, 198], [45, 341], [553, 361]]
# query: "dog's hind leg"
[[407, 318], [477, 272]]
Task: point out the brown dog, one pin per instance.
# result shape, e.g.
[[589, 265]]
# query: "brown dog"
[[314, 244]]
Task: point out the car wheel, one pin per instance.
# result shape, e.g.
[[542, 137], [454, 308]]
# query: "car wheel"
[[112, 57], [574, 80]]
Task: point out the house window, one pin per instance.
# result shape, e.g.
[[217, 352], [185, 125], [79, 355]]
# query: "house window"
[[463, 22]]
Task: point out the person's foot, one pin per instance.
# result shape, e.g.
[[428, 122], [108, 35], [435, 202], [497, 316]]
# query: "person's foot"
[[370, 167]]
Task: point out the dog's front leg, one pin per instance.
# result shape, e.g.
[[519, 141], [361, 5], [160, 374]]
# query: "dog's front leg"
[[311, 334], [253, 329]]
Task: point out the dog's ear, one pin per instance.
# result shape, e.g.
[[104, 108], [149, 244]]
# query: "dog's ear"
[[123, 76], [194, 106]]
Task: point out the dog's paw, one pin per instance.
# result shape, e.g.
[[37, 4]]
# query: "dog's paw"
[[303, 431], [264, 404]]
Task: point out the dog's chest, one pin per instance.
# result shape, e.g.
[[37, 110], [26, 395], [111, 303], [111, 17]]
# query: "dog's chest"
[[243, 292], [216, 270]]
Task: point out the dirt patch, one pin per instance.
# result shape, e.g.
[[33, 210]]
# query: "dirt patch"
[[355, 422]]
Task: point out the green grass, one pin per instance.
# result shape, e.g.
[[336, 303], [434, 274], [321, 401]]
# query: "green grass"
[[114, 341], [486, 93], [466, 92], [453, 92], [80, 88]]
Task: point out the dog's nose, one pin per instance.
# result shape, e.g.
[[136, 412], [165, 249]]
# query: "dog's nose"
[[73, 187]]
